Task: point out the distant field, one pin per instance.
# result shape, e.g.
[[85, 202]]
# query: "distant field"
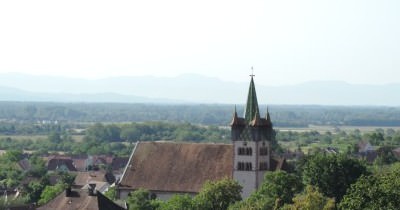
[[293, 146], [77, 138], [24, 137], [335, 128]]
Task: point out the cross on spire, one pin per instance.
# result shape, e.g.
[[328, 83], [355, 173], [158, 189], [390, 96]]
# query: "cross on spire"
[[252, 72]]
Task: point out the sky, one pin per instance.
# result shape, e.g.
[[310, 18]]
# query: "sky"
[[287, 42]]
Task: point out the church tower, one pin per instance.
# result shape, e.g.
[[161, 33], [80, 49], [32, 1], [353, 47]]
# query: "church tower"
[[252, 138]]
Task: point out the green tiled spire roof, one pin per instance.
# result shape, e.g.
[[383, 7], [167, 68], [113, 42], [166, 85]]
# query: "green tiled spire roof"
[[252, 104]]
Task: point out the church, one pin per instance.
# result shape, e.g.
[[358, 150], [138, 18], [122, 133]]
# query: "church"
[[168, 168]]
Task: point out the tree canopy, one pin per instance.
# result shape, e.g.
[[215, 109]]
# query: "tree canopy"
[[332, 174], [378, 191]]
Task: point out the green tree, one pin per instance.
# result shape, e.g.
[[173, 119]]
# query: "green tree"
[[218, 195], [111, 193], [13, 155], [278, 188], [140, 200], [54, 137], [66, 178], [280, 185], [51, 192], [332, 174], [311, 199], [33, 191], [178, 202], [38, 167], [378, 191], [385, 156], [130, 133]]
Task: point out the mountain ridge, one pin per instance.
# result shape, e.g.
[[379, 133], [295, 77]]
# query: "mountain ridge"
[[189, 88]]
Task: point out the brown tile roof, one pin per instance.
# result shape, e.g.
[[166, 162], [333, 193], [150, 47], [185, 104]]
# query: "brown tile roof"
[[55, 163], [177, 167], [80, 200], [396, 153], [80, 163], [24, 164], [278, 163], [119, 162], [82, 178]]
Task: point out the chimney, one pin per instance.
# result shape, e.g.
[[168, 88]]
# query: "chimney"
[[91, 189], [68, 192]]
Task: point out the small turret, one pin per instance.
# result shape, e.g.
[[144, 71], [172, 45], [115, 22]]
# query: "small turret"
[[256, 120]]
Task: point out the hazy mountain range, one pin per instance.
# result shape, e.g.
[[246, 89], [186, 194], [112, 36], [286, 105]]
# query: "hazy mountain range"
[[189, 89]]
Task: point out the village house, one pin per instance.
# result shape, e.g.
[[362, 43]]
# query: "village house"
[[88, 199], [168, 168]]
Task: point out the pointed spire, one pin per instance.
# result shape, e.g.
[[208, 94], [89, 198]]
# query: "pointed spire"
[[235, 119], [252, 104], [268, 117]]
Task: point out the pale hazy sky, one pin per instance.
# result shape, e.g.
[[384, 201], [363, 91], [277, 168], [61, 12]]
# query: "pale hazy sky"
[[287, 41]]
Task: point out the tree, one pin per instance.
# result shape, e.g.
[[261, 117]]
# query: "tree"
[[38, 167], [278, 188], [13, 155], [280, 185], [140, 200], [218, 195], [111, 193], [255, 204], [385, 156], [332, 174], [51, 192], [54, 137], [178, 202], [130, 133], [311, 199], [66, 178], [379, 191], [34, 190]]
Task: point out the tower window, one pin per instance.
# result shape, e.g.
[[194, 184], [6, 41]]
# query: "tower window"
[[244, 166], [248, 167], [245, 151], [263, 166], [240, 166], [263, 151]]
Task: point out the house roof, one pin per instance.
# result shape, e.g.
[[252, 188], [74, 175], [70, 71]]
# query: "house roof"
[[176, 167], [80, 199], [55, 163], [24, 164], [80, 163], [396, 152], [82, 178], [278, 163], [362, 145], [119, 162]]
